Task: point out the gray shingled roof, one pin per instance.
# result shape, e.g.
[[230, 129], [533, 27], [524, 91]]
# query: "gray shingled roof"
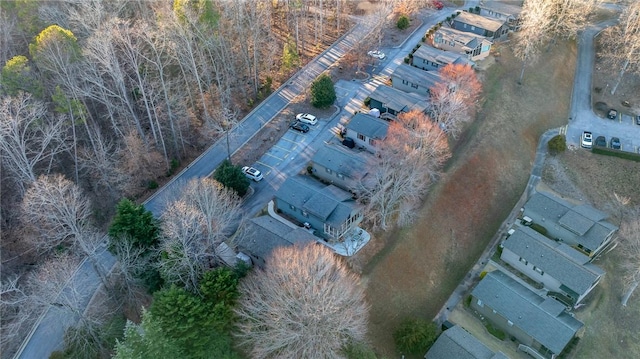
[[340, 160], [369, 126], [526, 311], [468, 39], [584, 220], [399, 100], [502, 7], [440, 56], [479, 21], [457, 343], [265, 233], [423, 78], [542, 253], [330, 203]]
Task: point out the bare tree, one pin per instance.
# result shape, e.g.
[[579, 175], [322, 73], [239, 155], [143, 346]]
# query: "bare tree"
[[630, 240], [532, 35], [453, 101], [29, 137], [406, 163], [193, 227], [126, 276], [57, 208], [543, 21], [621, 47], [304, 304]]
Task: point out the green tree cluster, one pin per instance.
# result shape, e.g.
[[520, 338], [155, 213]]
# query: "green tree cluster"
[[323, 93], [403, 22], [415, 336], [182, 324], [557, 144], [232, 177], [137, 226]]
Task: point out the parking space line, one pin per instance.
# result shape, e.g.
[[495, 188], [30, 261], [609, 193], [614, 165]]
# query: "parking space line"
[[286, 139], [276, 157]]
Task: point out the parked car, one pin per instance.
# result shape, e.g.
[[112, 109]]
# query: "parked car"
[[601, 141], [307, 118], [377, 54], [615, 143], [252, 173], [587, 139], [638, 120], [612, 114], [299, 126]]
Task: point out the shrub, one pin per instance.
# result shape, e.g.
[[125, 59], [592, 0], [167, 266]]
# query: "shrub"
[[482, 274], [323, 93], [406, 60], [415, 336], [467, 301], [367, 101], [557, 144], [403, 22], [152, 184], [616, 153], [496, 332], [357, 350], [538, 228], [232, 177]]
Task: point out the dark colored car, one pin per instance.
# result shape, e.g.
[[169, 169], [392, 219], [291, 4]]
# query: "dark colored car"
[[638, 120], [612, 114], [601, 141], [615, 143], [298, 126]]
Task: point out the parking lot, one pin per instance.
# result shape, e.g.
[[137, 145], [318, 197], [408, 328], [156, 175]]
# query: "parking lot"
[[623, 127]]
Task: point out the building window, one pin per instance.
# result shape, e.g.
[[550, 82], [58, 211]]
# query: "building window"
[[361, 137], [372, 142], [414, 86], [340, 175], [464, 25], [473, 27], [405, 82], [538, 270], [510, 323], [523, 261], [480, 304]]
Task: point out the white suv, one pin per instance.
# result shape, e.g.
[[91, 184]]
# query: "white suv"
[[307, 118], [252, 173], [587, 139]]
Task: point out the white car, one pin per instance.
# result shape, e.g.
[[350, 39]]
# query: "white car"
[[252, 173], [587, 139], [307, 118], [377, 54]]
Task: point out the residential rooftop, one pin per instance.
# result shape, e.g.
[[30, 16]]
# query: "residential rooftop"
[[567, 265], [399, 100], [468, 39], [544, 319], [588, 224], [329, 203], [478, 21], [368, 125], [341, 160], [457, 343], [440, 56], [427, 79]]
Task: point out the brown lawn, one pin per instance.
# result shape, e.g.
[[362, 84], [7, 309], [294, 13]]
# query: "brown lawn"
[[416, 269]]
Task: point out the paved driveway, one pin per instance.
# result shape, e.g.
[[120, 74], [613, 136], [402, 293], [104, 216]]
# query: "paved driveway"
[[582, 117]]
